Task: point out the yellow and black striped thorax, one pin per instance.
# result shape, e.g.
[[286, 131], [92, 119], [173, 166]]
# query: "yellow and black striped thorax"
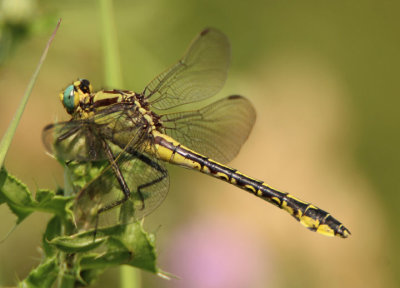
[[81, 103]]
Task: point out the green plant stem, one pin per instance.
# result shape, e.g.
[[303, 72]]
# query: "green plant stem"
[[7, 138], [129, 276], [112, 66]]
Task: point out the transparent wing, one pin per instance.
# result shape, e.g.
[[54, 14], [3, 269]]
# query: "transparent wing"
[[73, 140], [217, 130], [80, 140], [200, 74], [146, 178]]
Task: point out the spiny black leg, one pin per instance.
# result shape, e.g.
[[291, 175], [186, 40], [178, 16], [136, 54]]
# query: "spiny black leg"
[[121, 181], [151, 163], [125, 189], [159, 179]]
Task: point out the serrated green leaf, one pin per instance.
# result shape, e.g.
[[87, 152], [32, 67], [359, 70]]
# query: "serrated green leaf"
[[14, 190], [141, 245], [16, 195], [106, 260], [43, 276], [53, 230], [20, 201], [48, 201], [83, 242], [127, 244], [113, 246], [88, 277]]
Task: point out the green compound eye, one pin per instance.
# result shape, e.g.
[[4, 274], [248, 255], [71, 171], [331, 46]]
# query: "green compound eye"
[[68, 99]]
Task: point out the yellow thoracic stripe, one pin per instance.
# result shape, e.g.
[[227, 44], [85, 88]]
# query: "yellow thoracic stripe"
[[312, 217]]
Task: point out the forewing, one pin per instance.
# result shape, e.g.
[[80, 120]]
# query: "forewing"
[[200, 74], [217, 130], [81, 140], [73, 140]]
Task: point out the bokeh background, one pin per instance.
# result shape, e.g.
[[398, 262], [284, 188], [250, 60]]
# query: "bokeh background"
[[323, 77]]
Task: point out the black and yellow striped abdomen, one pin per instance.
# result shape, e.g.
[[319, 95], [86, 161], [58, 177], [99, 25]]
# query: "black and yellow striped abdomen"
[[307, 214]]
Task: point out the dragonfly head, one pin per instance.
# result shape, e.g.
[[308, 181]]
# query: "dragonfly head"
[[75, 94]]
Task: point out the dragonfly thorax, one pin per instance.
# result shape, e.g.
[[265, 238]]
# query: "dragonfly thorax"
[[133, 110]]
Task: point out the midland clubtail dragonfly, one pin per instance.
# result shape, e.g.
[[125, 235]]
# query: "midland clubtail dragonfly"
[[127, 136]]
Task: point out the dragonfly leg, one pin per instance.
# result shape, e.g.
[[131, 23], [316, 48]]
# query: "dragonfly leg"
[[148, 161], [121, 181], [143, 186]]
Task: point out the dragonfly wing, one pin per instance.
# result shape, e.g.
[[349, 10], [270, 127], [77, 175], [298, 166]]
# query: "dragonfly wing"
[[80, 140], [200, 74], [121, 125], [217, 130], [73, 140], [146, 178]]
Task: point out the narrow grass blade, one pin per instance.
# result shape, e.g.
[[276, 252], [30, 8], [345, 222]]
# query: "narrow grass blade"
[[6, 140], [129, 277]]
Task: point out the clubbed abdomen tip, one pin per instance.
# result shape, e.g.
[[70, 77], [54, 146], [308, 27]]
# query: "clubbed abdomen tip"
[[343, 232]]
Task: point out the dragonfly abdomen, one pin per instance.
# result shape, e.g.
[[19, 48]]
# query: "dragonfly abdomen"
[[306, 213]]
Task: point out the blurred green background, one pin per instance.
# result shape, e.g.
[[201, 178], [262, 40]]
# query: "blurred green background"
[[323, 79]]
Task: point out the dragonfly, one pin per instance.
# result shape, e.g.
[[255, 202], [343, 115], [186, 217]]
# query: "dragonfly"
[[128, 137]]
